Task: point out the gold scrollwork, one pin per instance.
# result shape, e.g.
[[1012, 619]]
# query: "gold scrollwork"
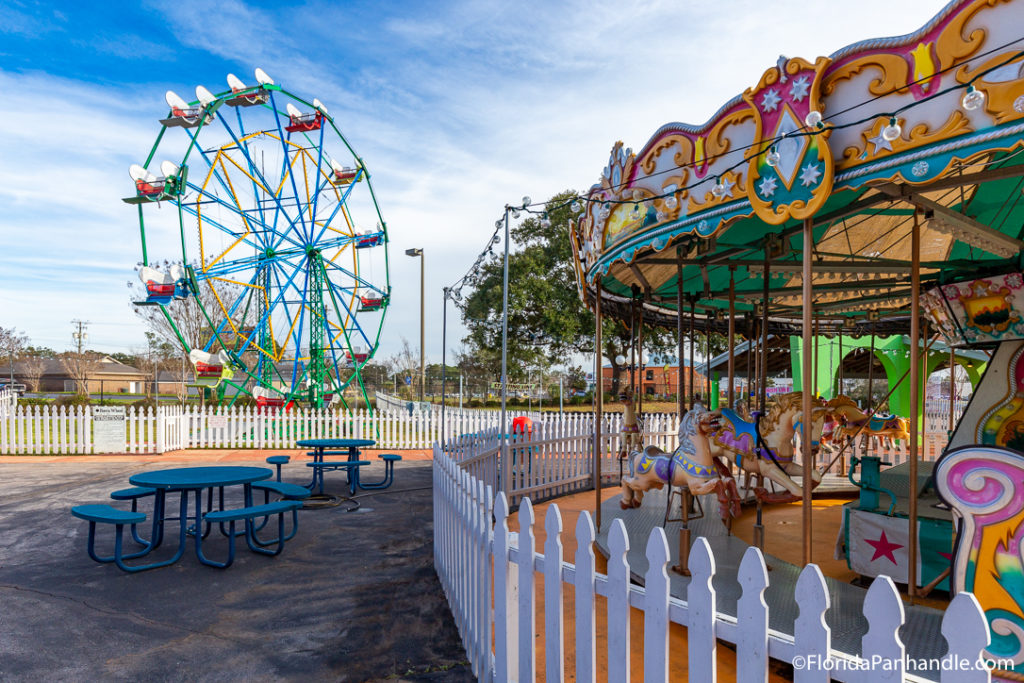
[[893, 75], [951, 46], [683, 157], [1000, 95]]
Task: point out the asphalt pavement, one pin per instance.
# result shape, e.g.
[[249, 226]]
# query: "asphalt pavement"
[[353, 597]]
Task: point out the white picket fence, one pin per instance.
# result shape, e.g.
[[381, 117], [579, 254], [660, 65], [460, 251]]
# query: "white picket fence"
[[480, 562], [8, 402], [555, 444]]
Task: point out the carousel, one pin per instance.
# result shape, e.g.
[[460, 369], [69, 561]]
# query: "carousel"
[[873, 199]]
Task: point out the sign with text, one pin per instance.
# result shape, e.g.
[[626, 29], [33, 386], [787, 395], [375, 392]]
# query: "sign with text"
[[217, 422], [108, 429], [515, 387]]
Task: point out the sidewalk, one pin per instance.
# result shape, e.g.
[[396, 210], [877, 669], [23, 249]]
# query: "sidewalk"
[[201, 455]]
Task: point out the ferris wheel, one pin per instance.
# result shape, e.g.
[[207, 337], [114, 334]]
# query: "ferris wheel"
[[282, 244]]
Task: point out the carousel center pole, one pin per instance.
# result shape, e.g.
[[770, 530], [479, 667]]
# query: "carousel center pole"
[[732, 337], [805, 437], [598, 402], [915, 392]]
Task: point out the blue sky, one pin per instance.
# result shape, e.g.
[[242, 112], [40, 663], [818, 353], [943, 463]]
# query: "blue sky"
[[457, 107]]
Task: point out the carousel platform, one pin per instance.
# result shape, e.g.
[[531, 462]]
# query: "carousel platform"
[[921, 633]]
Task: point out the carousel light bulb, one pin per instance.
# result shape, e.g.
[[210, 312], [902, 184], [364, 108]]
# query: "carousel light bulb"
[[813, 119], [972, 99], [527, 201], [498, 223], [671, 202], [495, 239], [515, 213], [545, 223], [718, 191], [892, 131], [773, 157], [620, 359], [576, 206], [637, 195]]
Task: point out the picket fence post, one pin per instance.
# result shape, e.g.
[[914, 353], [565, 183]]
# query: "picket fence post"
[[554, 627]]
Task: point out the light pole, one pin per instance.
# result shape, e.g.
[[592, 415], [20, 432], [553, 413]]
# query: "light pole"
[[414, 253]]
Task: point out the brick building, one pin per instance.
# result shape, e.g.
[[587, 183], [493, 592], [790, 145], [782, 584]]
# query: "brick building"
[[658, 380]]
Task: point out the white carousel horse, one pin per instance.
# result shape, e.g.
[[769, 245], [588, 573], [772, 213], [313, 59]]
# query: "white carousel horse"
[[691, 465]]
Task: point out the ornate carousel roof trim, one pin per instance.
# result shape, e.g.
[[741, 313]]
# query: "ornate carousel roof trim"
[[765, 154]]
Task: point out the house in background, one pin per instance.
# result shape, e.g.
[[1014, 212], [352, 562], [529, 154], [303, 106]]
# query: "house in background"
[[110, 376]]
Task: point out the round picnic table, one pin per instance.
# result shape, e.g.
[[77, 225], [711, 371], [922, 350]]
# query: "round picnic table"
[[195, 479], [320, 448], [192, 478]]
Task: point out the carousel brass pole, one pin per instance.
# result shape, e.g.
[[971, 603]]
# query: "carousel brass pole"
[[755, 391], [732, 336], [840, 389], [707, 362], [632, 346], [640, 357], [750, 346], [817, 349], [681, 398], [763, 396], [952, 389], [598, 403], [915, 392], [871, 369], [693, 312], [871, 375], [805, 437]]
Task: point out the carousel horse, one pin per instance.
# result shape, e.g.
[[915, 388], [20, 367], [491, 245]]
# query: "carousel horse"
[[852, 418], [691, 465], [736, 439]]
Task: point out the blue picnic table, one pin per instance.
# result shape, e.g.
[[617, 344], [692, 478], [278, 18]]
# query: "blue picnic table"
[[324, 447], [189, 482]]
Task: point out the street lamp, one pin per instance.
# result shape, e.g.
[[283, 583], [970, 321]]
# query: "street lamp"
[[414, 253]]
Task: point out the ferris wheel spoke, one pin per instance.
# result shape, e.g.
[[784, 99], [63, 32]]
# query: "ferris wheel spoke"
[[245, 150], [350, 318], [359, 281], [194, 209], [284, 149]]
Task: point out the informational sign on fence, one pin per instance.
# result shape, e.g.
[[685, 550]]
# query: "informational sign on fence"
[[217, 421], [108, 429], [515, 387]]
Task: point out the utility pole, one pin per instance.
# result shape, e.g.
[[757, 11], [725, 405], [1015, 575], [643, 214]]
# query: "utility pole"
[[80, 336]]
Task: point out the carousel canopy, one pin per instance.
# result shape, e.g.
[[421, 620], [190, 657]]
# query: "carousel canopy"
[[925, 128]]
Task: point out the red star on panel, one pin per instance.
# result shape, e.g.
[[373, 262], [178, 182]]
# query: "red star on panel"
[[883, 548]]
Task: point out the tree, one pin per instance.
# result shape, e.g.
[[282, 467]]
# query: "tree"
[[32, 370], [12, 343], [188, 317], [80, 366], [547, 321]]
